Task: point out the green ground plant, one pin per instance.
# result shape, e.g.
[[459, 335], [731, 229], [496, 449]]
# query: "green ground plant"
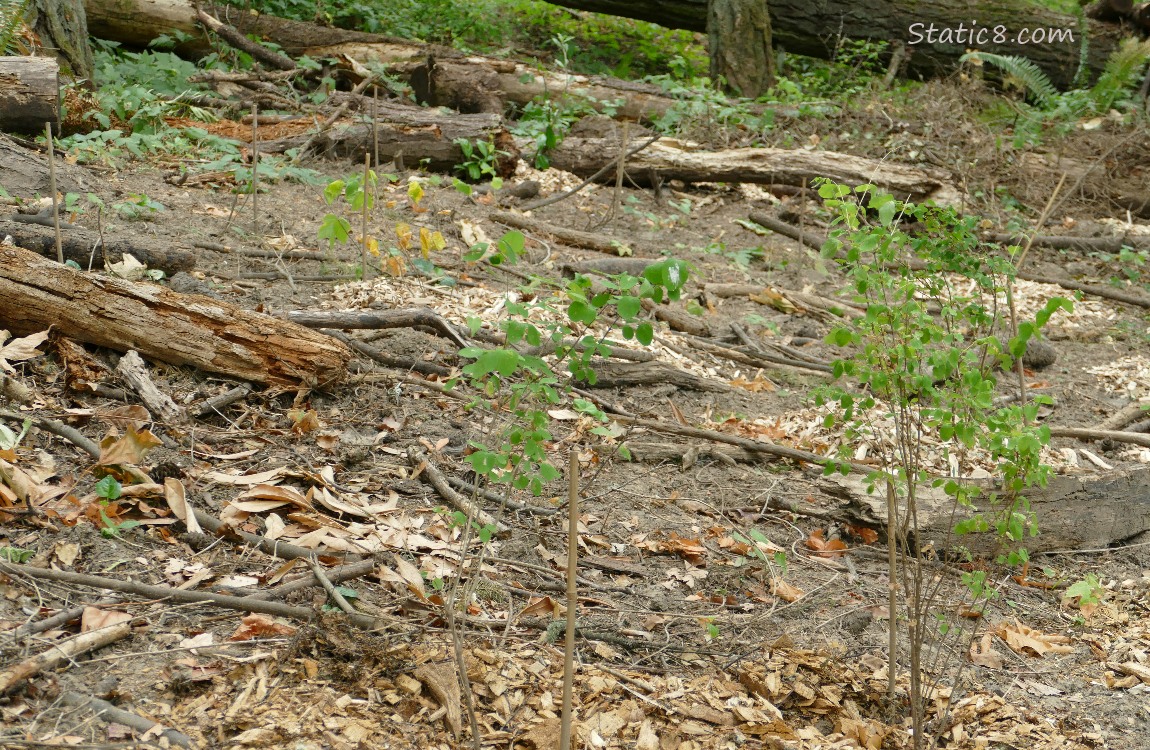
[[1048, 109], [919, 378]]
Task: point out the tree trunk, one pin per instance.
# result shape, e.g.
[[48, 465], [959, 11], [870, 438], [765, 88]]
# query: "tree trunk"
[[29, 94], [814, 28], [739, 37], [181, 329], [62, 27]]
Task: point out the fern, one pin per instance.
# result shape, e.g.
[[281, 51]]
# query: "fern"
[[11, 19], [1122, 71], [1036, 82]]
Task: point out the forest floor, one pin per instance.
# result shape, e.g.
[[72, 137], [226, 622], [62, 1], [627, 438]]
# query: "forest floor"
[[688, 637]]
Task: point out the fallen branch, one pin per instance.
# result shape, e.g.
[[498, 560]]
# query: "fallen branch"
[[81, 246], [572, 237], [809, 237], [427, 368], [242, 43], [755, 446], [1092, 434], [149, 591], [67, 650], [438, 481], [108, 713], [410, 318], [1124, 416]]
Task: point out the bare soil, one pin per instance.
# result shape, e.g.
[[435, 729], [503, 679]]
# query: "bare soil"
[[688, 639]]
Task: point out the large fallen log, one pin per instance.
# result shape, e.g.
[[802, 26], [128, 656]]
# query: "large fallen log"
[[1073, 512], [416, 136], [672, 159], [83, 247], [29, 93], [935, 31], [180, 329], [439, 76]]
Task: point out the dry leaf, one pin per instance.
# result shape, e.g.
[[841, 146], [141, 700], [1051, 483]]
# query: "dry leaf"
[[260, 626]]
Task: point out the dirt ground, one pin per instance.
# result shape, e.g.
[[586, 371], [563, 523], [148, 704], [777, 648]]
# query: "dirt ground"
[[688, 639]]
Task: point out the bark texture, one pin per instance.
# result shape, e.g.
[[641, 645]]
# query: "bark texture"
[[29, 94], [814, 28], [62, 26], [739, 35], [180, 329]]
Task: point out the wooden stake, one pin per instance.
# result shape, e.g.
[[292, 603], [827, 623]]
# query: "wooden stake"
[[255, 169], [55, 200], [572, 598], [366, 205]]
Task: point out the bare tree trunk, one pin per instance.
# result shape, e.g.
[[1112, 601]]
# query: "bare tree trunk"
[[739, 37], [62, 26]]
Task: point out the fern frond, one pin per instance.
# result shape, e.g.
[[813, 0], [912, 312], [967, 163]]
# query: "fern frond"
[[1120, 73], [1036, 83], [11, 19]]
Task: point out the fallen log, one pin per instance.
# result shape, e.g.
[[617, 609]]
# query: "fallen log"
[[439, 76], [29, 94], [1073, 512], [83, 246], [180, 329], [413, 136], [24, 173], [671, 159], [816, 29]]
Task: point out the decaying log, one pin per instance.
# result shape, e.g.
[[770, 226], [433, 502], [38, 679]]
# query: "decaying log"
[[439, 76], [408, 318], [180, 329], [29, 94], [1073, 512], [631, 374], [414, 136], [82, 246], [24, 173], [672, 159], [134, 372]]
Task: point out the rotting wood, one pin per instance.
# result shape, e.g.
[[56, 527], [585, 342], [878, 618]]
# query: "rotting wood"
[[108, 713], [1124, 416], [761, 359], [416, 135], [83, 246], [179, 329], [134, 372], [1072, 512], [754, 446], [672, 159], [29, 94], [1086, 433]]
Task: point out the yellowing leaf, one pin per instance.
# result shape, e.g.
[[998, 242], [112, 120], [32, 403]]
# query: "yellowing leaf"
[[415, 191], [372, 245], [403, 235], [430, 241]]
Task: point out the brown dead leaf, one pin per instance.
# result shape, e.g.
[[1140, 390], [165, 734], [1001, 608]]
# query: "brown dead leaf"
[[129, 449], [983, 654], [133, 417], [18, 350], [176, 496], [824, 548], [260, 626], [786, 591], [95, 618], [1030, 642]]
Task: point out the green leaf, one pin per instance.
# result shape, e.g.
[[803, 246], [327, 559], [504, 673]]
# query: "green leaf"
[[333, 190], [628, 307], [581, 312], [107, 488], [645, 333]]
